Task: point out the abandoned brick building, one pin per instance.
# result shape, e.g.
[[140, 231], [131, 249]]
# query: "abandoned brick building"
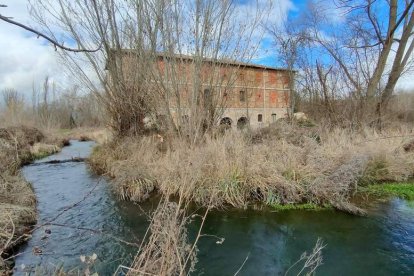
[[257, 96]]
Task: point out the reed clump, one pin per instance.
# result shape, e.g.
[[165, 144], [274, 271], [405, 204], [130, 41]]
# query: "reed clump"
[[166, 248], [282, 164]]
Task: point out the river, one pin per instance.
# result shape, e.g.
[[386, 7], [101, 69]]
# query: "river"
[[83, 217]]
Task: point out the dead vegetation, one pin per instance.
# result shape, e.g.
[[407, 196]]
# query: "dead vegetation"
[[283, 164], [166, 249], [18, 146], [63, 136]]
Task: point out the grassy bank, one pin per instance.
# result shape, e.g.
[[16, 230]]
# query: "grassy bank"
[[385, 190], [99, 135], [19, 146], [280, 165]]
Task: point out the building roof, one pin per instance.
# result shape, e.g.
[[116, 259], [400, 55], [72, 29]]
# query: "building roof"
[[219, 61], [228, 62]]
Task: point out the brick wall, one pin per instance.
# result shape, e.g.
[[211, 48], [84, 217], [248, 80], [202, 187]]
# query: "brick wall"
[[266, 91]]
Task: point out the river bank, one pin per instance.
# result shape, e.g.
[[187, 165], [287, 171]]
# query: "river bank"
[[19, 146], [76, 216], [266, 242], [282, 165]]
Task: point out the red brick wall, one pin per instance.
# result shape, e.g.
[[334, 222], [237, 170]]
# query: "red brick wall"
[[251, 80]]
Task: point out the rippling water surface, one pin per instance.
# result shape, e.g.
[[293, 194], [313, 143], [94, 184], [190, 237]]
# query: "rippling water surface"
[[88, 219]]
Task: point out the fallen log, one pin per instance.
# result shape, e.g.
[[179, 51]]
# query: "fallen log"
[[73, 159]]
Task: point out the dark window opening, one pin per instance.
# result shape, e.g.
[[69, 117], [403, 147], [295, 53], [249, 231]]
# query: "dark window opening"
[[242, 96], [273, 117], [208, 101], [225, 121], [260, 118], [242, 123]]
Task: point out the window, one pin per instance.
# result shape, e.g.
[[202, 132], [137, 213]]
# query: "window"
[[260, 118], [273, 117], [242, 96], [208, 101]]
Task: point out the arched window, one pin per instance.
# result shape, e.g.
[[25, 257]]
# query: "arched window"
[[242, 123], [260, 118], [226, 121]]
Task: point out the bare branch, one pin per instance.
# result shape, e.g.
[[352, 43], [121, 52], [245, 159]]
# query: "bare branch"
[[51, 40]]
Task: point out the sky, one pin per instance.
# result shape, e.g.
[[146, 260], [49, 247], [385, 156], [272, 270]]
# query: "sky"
[[26, 60]]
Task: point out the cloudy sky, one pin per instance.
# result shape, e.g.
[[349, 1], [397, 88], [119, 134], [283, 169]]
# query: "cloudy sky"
[[25, 59]]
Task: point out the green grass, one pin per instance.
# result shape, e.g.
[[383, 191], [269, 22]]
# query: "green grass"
[[402, 190], [301, 206]]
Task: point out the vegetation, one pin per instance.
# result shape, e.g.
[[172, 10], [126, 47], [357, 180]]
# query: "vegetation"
[[346, 83], [350, 62], [402, 190], [304, 166], [304, 206], [50, 108], [18, 146]]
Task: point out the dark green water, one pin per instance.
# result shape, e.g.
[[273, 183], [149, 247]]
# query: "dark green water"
[[92, 220], [382, 244]]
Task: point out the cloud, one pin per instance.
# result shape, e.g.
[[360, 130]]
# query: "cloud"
[[24, 59], [274, 15]]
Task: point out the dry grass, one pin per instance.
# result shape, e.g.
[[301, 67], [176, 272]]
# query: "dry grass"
[[166, 249], [40, 150], [18, 145], [280, 165], [17, 212], [99, 135]]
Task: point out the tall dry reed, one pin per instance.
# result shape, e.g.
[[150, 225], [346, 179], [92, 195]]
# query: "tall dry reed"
[[279, 165]]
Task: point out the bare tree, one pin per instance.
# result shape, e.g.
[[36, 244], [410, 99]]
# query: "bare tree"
[[12, 99], [14, 103], [288, 42], [154, 52], [368, 48]]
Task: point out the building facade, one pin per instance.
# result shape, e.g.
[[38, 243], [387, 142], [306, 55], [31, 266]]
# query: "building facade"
[[258, 97], [246, 94]]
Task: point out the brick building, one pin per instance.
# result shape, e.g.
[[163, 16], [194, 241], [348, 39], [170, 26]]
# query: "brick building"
[[256, 95], [259, 96]]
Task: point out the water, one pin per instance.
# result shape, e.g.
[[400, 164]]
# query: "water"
[[96, 223], [380, 244]]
